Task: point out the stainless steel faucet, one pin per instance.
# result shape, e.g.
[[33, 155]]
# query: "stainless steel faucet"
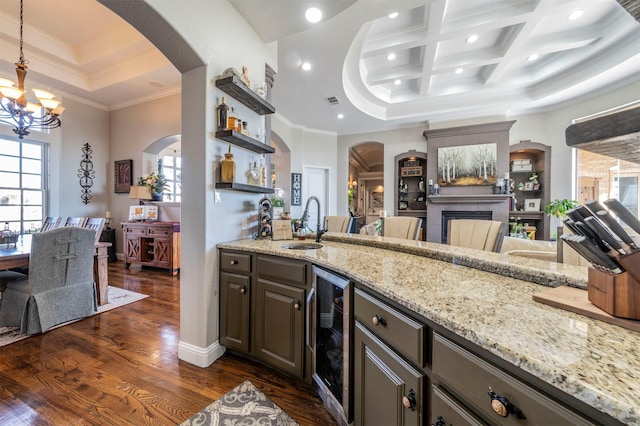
[[305, 217]]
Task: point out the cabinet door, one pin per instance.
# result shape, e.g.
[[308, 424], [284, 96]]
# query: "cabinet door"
[[234, 311], [383, 383], [131, 249], [162, 251], [278, 326]]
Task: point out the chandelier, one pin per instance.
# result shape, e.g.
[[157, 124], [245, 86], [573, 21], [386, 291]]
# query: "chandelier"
[[17, 111]]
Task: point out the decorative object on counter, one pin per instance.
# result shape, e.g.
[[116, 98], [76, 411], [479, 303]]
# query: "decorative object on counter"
[[16, 111], [86, 173], [228, 168], [245, 77], [277, 204], [141, 193], [143, 213], [222, 114], [122, 175], [296, 189], [7, 236], [436, 189], [265, 217], [467, 165]]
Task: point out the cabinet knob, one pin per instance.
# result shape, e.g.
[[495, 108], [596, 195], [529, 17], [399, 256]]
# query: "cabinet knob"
[[439, 422], [243, 290], [297, 305], [502, 407], [378, 320], [409, 401], [233, 262]]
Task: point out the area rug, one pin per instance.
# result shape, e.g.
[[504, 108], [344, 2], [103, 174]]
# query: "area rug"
[[243, 405], [117, 297]]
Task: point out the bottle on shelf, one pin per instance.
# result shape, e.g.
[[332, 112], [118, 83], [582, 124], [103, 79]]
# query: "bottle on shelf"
[[253, 174], [263, 171], [223, 114], [233, 120], [228, 168], [245, 128]]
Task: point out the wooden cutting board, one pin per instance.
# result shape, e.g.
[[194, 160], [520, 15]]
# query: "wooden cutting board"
[[575, 300]]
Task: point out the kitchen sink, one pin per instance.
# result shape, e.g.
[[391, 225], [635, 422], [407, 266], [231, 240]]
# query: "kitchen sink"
[[302, 246]]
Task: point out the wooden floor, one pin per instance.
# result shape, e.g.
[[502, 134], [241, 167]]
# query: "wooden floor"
[[121, 367]]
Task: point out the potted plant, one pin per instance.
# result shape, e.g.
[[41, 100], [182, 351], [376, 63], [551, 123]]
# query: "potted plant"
[[558, 208], [277, 204]]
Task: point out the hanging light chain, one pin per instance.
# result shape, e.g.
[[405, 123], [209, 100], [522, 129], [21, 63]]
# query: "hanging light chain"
[[21, 59]]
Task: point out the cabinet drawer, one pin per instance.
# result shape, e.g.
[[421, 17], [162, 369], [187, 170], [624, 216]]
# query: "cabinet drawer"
[[282, 270], [155, 231], [235, 262], [444, 408], [134, 230], [469, 376], [405, 334]]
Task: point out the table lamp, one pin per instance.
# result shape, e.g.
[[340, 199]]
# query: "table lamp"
[[140, 192]]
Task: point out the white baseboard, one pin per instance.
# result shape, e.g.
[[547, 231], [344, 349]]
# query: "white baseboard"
[[201, 357]]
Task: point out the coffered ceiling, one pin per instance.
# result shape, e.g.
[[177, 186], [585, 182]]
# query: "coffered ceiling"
[[82, 49]]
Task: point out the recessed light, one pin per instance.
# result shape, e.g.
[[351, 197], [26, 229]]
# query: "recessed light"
[[575, 14], [393, 15], [306, 66], [397, 82], [532, 57], [472, 38], [340, 116], [313, 15], [391, 56], [459, 70]]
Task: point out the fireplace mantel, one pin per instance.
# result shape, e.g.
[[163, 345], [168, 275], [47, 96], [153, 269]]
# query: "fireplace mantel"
[[468, 198]]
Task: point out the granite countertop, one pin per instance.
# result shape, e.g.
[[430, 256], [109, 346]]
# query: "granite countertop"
[[486, 298]]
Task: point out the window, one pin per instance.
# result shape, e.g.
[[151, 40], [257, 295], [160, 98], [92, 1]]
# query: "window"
[[22, 184], [172, 169]]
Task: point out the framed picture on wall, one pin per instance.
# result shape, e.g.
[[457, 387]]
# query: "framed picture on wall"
[[122, 176]]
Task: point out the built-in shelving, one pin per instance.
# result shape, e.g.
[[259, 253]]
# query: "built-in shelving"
[[243, 187], [468, 198], [236, 88], [245, 142]]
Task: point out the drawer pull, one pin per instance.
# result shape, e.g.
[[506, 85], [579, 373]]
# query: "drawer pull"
[[439, 422], [297, 305], [502, 406], [409, 401], [233, 262], [378, 320], [243, 290]]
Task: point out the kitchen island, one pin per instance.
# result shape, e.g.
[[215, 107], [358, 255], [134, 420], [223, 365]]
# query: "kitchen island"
[[486, 299]]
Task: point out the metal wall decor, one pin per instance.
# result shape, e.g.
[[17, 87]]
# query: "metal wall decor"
[[86, 173]]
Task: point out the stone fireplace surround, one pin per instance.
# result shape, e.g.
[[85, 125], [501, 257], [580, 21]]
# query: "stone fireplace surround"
[[466, 198]]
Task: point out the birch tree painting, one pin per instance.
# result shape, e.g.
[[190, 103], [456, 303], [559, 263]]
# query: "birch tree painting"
[[467, 165]]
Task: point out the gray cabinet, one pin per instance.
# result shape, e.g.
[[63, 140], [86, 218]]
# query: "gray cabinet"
[[462, 373], [389, 349], [262, 309]]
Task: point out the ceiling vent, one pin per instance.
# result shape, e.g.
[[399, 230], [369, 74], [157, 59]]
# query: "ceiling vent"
[[332, 100]]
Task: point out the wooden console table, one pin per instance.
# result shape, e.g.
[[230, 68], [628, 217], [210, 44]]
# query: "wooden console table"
[[155, 244]]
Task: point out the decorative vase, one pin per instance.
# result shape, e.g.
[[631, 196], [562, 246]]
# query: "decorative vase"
[[156, 196]]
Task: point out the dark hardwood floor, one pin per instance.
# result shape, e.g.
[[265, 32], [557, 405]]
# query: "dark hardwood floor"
[[121, 367]]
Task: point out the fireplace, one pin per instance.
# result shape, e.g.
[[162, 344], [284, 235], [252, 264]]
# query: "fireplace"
[[447, 215]]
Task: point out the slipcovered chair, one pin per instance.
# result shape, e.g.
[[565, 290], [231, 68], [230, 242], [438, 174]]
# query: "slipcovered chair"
[[402, 227], [97, 224], [59, 287], [50, 222], [338, 223], [484, 235]]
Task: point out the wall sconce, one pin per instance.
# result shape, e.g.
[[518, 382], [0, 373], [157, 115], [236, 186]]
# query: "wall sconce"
[[140, 192]]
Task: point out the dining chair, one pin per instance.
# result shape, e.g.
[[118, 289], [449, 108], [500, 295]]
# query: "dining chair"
[[97, 224], [402, 227], [484, 235], [75, 222], [59, 287], [49, 223], [338, 223]]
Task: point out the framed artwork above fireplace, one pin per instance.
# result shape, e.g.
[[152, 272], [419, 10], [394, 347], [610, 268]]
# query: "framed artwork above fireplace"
[[468, 165]]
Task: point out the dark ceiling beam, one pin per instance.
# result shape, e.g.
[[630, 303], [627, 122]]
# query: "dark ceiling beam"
[[631, 6]]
